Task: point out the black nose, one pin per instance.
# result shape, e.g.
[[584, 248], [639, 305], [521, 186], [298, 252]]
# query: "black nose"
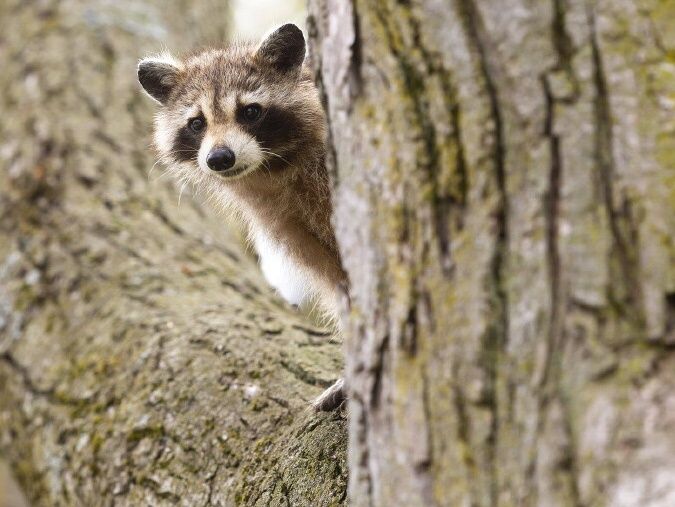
[[220, 159]]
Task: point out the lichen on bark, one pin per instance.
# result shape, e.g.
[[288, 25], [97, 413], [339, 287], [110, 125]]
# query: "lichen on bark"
[[502, 175], [143, 359]]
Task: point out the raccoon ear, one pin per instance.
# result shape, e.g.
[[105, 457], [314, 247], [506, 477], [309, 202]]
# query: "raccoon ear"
[[158, 76], [284, 48]]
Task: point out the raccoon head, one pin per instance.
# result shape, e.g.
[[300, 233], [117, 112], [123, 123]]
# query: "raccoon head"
[[227, 113]]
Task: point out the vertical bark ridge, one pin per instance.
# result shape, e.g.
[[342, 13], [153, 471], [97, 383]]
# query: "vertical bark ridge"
[[625, 286], [496, 336]]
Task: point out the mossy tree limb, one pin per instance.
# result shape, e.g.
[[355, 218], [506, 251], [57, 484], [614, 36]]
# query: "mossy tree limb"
[[143, 360]]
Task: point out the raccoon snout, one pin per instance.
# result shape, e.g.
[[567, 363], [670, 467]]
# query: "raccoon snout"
[[220, 159]]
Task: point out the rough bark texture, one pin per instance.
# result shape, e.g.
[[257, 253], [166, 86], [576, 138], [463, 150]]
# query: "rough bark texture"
[[143, 360], [505, 206]]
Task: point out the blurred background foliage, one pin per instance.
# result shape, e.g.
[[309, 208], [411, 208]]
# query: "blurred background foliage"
[[252, 18]]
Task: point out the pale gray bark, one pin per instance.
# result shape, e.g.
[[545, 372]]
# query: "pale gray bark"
[[143, 360], [505, 208]]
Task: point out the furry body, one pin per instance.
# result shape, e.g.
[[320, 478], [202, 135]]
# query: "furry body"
[[278, 185], [246, 127]]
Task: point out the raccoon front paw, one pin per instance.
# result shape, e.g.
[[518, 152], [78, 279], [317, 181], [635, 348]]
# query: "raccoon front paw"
[[332, 398]]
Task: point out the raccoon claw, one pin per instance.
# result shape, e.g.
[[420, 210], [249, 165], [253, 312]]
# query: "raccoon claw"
[[343, 291], [332, 398]]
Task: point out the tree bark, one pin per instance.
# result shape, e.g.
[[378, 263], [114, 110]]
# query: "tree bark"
[[143, 360], [505, 206]]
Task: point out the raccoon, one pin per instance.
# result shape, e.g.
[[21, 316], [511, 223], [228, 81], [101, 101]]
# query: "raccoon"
[[245, 126]]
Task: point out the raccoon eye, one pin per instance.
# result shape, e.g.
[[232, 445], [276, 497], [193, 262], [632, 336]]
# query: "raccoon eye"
[[252, 112], [196, 125]]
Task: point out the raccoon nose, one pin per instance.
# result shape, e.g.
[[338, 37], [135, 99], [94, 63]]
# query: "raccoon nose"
[[220, 159]]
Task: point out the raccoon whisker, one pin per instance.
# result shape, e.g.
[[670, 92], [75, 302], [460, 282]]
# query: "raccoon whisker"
[[180, 193], [250, 140], [165, 173], [168, 159], [314, 305], [266, 165], [269, 152], [153, 168], [176, 152]]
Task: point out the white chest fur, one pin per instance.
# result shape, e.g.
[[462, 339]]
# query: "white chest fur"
[[281, 271]]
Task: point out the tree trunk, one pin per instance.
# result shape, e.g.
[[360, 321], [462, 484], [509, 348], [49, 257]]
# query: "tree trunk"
[[505, 206], [143, 360]]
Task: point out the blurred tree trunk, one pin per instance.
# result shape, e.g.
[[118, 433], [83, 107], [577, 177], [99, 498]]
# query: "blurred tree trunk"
[[143, 360], [505, 206]]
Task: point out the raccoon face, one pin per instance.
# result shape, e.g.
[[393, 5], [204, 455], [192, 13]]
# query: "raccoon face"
[[226, 113]]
